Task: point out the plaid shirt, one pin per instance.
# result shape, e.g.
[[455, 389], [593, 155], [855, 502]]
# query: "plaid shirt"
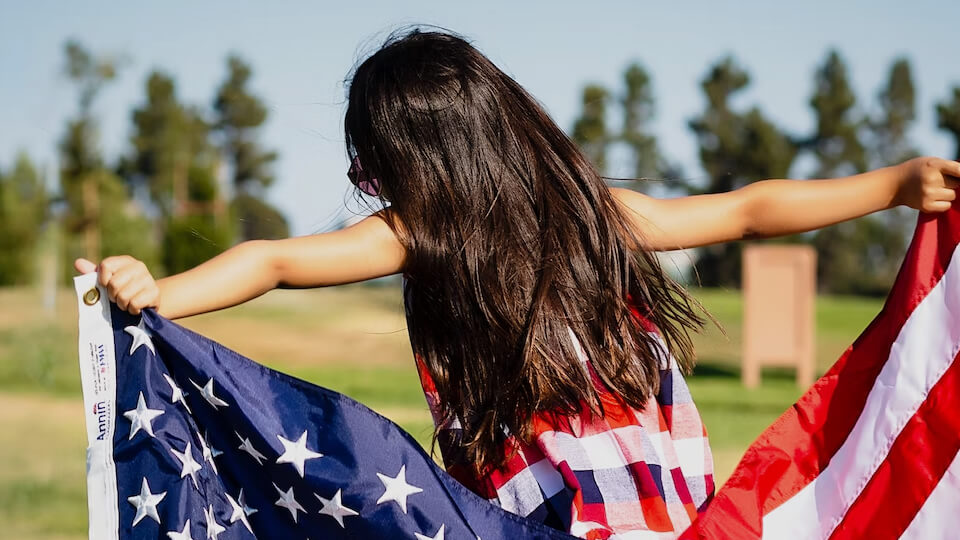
[[629, 474]]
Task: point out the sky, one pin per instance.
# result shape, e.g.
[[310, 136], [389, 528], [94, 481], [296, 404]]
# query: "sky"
[[301, 53]]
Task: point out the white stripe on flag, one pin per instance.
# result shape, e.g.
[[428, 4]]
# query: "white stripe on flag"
[[937, 517], [922, 352], [98, 378]]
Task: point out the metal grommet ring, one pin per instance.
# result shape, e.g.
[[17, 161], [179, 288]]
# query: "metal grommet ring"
[[91, 297]]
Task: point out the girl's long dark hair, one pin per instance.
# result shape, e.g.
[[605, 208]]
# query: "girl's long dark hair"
[[511, 236]]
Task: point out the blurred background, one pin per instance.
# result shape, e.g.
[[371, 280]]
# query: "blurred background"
[[171, 132]]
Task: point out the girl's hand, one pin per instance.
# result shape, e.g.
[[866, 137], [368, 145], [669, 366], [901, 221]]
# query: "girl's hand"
[[126, 280], [927, 183]]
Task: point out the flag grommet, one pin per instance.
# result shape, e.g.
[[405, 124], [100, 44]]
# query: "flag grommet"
[[91, 297]]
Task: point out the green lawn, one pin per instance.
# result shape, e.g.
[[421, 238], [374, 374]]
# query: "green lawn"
[[352, 339]]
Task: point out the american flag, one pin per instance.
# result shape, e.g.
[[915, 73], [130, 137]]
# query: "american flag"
[[189, 440], [871, 450]]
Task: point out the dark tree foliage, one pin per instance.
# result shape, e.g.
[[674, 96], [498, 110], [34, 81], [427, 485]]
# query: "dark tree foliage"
[[193, 239], [736, 149], [99, 217], [635, 140], [889, 231], [836, 143], [890, 143], [23, 211], [590, 129], [859, 256], [639, 109], [240, 114], [258, 219], [948, 117], [170, 143]]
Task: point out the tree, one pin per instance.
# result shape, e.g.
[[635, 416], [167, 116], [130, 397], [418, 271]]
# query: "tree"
[[736, 149], [99, 216], [635, 137], [853, 257], [836, 144], [890, 143], [948, 117], [173, 157], [169, 141], [590, 129], [239, 115], [639, 110], [889, 231], [23, 210]]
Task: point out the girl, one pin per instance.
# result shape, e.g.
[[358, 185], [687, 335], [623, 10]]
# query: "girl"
[[549, 342]]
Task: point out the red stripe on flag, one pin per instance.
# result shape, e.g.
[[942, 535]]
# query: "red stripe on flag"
[[914, 465], [797, 446]]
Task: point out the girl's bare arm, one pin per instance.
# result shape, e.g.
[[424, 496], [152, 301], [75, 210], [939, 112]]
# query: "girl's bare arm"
[[779, 207], [365, 250]]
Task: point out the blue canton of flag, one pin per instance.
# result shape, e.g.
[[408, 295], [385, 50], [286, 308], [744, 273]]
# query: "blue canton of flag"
[[189, 440]]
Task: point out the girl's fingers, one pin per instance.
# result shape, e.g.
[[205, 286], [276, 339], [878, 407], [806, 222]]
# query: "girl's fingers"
[[122, 277], [84, 266], [951, 167], [938, 206], [112, 265], [141, 300], [129, 291], [946, 195]]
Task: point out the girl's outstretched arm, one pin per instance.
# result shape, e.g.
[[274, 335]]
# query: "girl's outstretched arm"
[[779, 207], [365, 250]]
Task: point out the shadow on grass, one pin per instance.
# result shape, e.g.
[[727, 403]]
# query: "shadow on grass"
[[719, 394], [722, 370]]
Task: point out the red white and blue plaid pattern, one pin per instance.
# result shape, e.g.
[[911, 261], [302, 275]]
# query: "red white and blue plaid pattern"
[[629, 474]]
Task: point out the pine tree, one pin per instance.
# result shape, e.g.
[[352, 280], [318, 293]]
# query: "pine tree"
[[23, 210], [173, 157], [240, 114], [169, 139], [638, 114], [852, 257], [590, 129], [889, 145], [100, 218], [736, 149], [836, 143], [897, 113]]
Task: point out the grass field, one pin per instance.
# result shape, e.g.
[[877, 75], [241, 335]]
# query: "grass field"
[[352, 339]]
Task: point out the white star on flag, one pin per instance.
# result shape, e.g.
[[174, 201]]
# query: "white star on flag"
[[334, 508], [146, 503], [141, 336], [207, 392], [438, 536], [296, 453], [240, 510], [214, 529], [247, 447], [208, 452], [397, 489], [141, 417], [287, 501], [182, 535], [176, 393], [189, 465]]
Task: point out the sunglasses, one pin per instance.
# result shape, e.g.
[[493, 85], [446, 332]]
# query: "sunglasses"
[[362, 179]]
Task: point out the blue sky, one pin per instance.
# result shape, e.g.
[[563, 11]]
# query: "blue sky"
[[302, 51]]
